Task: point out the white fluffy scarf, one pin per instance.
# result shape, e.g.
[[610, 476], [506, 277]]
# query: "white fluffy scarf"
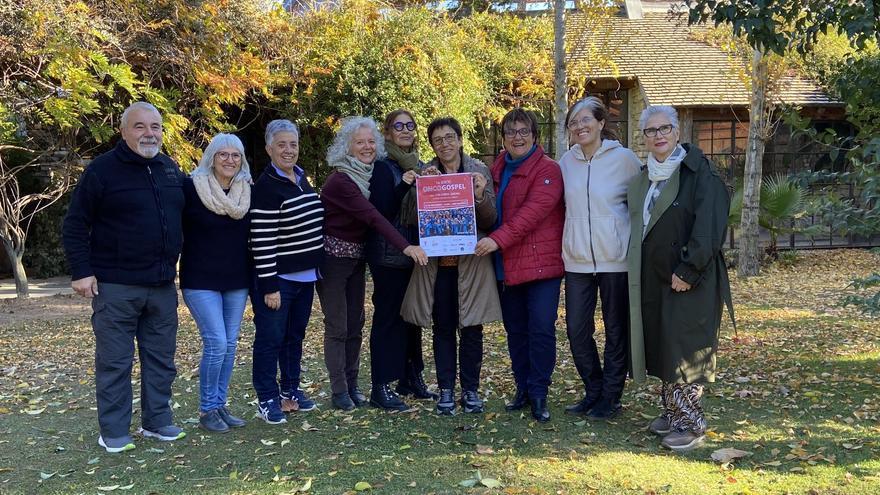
[[234, 204]]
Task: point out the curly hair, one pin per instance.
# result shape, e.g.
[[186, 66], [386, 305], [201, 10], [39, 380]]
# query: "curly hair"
[[342, 141]]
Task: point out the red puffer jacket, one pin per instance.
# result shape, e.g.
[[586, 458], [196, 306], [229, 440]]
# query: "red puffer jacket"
[[533, 214]]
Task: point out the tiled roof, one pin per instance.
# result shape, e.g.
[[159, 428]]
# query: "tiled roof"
[[673, 68]]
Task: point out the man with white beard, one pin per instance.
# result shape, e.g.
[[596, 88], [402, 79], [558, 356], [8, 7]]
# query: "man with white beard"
[[122, 236]]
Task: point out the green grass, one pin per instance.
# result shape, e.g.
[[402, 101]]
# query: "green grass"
[[799, 388]]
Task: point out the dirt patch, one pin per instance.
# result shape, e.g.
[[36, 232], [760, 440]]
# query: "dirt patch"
[[14, 312]]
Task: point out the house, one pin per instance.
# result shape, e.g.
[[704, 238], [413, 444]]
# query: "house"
[[660, 60]]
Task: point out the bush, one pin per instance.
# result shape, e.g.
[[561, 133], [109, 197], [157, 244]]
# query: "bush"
[[44, 256]]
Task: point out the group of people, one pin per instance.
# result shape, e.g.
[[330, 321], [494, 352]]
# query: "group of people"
[[455, 221], [646, 239]]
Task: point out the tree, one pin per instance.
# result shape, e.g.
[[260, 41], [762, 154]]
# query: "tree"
[[776, 27], [560, 79]]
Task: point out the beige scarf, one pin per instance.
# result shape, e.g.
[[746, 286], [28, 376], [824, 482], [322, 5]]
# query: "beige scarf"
[[234, 204]]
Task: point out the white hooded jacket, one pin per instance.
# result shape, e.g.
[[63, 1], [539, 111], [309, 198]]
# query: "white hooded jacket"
[[597, 226]]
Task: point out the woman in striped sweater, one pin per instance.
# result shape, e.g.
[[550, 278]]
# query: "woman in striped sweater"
[[286, 242]]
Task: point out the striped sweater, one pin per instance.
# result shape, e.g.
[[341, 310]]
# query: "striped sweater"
[[286, 231]]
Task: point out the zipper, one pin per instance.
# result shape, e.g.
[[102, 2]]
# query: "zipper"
[[162, 222], [589, 215]]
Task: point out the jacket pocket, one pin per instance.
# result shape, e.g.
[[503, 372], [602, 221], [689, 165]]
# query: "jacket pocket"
[[576, 239], [608, 240]]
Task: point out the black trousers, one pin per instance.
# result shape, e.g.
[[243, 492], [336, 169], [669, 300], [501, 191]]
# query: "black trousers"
[[341, 292], [123, 314], [470, 339], [393, 342], [580, 308]]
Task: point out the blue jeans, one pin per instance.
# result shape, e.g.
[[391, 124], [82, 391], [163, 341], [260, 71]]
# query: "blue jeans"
[[278, 338], [218, 316], [529, 312]]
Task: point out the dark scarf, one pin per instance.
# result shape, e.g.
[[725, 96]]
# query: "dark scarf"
[[406, 160]]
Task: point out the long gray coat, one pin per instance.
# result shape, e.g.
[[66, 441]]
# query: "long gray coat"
[[478, 301], [674, 335]]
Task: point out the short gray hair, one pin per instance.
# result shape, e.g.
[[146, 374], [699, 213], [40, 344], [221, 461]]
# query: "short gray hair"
[[218, 142], [653, 110], [138, 105], [342, 142], [279, 125]]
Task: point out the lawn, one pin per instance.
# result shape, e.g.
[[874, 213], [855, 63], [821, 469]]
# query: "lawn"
[[799, 391]]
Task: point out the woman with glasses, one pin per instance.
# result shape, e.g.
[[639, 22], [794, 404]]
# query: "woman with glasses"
[[395, 345], [456, 295], [349, 216], [214, 273], [527, 246], [677, 276], [596, 171]]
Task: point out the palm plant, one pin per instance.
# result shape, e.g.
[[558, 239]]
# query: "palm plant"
[[783, 204]]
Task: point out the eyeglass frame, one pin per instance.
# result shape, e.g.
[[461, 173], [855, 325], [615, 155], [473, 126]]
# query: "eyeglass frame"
[[581, 122], [654, 131], [523, 132], [225, 155], [410, 126], [446, 138]]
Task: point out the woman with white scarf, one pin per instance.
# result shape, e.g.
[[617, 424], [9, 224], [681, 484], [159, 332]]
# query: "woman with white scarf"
[[214, 268], [348, 218], [677, 276]]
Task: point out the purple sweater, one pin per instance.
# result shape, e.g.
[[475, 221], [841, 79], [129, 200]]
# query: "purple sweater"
[[349, 216]]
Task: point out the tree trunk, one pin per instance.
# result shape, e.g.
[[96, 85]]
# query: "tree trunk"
[[21, 281], [560, 87], [749, 250]]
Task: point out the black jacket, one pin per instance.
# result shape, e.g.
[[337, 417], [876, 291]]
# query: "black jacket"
[[124, 221], [387, 191]]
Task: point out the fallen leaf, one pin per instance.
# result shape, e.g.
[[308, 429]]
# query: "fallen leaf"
[[490, 483], [362, 486], [267, 442], [485, 450], [728, 454]]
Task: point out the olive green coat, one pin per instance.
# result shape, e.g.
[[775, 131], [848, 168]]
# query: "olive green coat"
[[674, 335], [478, 300]]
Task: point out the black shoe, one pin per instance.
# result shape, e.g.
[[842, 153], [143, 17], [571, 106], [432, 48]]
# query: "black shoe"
[[342, 401], [446, 402], [582, 407], [471, 402], [357, 396], [418, 387], [604, 410], [539, 410], [212, 422], [229, 419], [384, 398], [520, 400]]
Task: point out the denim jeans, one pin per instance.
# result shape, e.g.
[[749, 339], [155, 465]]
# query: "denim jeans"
[[218, 316], [529, 312], [278, 338]]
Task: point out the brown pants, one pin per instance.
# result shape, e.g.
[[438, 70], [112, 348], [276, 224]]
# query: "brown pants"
[[683, 407], [341, 292]]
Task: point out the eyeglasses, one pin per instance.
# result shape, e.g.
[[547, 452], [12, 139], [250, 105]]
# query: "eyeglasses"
[[523, 132], [448, 139], [581, 122], [662, 130], [225, 155], [399, 126]]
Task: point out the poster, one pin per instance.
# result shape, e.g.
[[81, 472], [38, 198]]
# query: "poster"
[[447, 220]]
